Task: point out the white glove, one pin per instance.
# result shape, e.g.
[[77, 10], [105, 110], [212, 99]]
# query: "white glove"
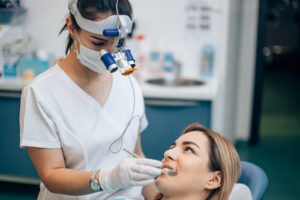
[[130, 172]]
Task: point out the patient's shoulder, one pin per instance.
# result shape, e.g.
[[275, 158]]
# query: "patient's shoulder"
[[240, 192]]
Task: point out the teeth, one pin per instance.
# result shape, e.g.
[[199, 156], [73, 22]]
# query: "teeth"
[[171, 172]]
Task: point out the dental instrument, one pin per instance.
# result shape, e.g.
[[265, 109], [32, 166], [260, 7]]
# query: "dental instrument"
[[118, 26], [131, 153], [171, 172]]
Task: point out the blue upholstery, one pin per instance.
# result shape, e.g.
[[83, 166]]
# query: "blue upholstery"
[[255, 178]]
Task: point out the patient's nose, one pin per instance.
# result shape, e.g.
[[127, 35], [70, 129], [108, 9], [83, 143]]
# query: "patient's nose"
[[171, 154]]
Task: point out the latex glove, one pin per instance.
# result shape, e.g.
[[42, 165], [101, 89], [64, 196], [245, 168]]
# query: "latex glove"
[[130, 172]]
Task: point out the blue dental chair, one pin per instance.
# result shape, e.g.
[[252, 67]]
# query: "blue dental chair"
[[255, 178]]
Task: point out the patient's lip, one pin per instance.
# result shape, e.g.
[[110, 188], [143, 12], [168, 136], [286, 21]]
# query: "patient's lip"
[[167, 166], [168, 170]]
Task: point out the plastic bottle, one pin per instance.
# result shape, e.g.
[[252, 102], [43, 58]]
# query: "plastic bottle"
[[168, 68], [11, 59], [141, 58], [208, 54], [154, 61], [10, 66]]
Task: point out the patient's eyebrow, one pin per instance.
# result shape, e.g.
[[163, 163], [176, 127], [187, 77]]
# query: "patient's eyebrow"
[[190, 142]]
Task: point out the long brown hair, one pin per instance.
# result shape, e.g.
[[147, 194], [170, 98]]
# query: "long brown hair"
[[223, 157]]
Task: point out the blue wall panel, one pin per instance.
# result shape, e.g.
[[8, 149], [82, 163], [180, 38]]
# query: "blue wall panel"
[[167, 122]]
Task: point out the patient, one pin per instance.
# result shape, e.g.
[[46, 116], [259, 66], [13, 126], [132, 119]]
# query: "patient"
[[207, 167]]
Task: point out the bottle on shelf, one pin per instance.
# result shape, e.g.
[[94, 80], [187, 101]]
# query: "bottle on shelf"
[[207, 64], [168, 67]]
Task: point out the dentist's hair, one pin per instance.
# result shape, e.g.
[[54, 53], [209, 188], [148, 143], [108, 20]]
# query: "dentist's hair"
[[89, 10], [223, 157]]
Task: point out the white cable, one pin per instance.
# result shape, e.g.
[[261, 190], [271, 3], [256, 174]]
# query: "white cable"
[[117, 7], [120, 139]]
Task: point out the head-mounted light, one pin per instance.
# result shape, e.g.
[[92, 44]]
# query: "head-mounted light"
[[113, 26]]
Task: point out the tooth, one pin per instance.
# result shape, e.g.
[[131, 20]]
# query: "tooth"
[[172, 172]]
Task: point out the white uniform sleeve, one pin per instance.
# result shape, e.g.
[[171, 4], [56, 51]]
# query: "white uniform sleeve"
[[37, 129], [144, 123], [141, 105], [143, 120]]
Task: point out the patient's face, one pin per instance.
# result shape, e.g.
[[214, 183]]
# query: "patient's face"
[[189, 155]]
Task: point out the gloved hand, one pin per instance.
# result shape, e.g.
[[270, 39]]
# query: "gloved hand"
[[130, 172]]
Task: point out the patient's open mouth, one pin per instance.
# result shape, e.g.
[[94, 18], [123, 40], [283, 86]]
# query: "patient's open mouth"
[[172, 172], [169, 170]]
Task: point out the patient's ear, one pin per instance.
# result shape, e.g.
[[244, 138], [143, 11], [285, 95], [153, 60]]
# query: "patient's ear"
[[214, 181]]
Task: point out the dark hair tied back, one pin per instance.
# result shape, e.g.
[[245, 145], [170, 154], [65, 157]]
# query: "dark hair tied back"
[[89, 10]]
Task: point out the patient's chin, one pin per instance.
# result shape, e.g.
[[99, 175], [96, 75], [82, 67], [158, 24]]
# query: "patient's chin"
[[165, 185], [161, 179], [169, 190], [163, 188], [160, 183]]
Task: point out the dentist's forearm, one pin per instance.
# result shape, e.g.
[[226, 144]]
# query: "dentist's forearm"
[[138, 147], [52, 170], [68, 181]]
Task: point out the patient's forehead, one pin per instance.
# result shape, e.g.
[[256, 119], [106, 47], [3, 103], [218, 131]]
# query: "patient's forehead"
[[197, 137]]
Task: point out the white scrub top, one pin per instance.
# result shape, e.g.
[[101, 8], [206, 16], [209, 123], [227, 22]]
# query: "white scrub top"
[[57, 113]]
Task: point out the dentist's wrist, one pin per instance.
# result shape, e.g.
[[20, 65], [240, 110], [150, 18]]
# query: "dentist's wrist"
[[105, 180], [94, 182], [97, 175]]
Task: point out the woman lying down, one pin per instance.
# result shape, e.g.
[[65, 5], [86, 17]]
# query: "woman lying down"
[[200, 165], [206, 167]]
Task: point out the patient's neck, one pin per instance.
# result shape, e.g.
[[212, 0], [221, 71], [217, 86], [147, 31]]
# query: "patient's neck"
[[186, 197]]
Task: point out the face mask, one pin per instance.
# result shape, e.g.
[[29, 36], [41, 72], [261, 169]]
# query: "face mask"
[[90, 58]]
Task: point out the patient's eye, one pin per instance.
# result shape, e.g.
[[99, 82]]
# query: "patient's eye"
[[189, 149]]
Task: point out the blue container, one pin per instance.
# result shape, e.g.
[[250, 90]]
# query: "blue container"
[[36, 65], [11, 15], [10, 70], [168, 62]]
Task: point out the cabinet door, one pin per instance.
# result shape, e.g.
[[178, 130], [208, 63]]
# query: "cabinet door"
[[167, 119], [15, 161]]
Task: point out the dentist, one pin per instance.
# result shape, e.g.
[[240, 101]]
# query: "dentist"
[[76, 117]]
